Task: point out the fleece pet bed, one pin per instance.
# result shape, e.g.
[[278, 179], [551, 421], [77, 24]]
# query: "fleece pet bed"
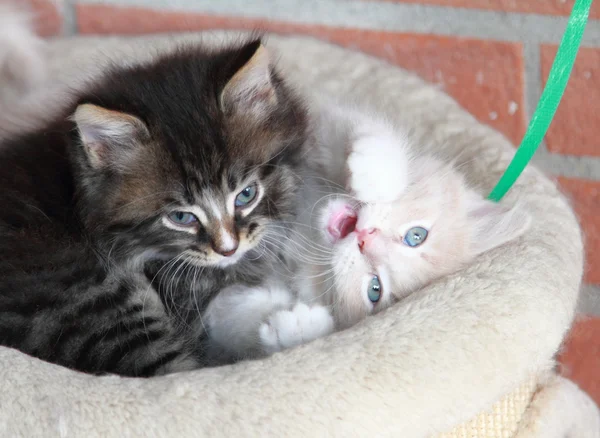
[[469, 356]]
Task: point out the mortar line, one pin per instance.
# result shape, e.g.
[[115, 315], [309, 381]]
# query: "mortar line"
[[533, 83], [69, 15], [383, 16], [589, 300]]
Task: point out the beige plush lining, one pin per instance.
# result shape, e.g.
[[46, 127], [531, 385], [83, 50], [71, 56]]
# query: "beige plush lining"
[[429, 364]]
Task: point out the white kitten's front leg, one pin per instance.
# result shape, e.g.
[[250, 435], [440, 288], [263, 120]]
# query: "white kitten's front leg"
[[234, 316], [289, 328], [378, 165]]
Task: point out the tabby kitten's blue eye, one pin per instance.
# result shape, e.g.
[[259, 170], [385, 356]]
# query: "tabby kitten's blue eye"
[[415, 236], [182, 218], [374, 289], [246, 196]]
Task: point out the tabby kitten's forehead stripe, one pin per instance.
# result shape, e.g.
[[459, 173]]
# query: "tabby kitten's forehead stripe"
[[98, 197], [215, 209]]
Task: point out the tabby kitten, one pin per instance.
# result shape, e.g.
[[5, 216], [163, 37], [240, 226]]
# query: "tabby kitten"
[[166, 182]]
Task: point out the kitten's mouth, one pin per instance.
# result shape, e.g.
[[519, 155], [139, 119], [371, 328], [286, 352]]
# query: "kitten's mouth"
[[341, 223]]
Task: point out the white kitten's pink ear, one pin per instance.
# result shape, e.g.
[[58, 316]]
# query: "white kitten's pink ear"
[[250, 90], [107, 136], [495, 224]]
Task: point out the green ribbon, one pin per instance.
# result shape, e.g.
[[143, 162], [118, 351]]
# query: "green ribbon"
[[551, 96]]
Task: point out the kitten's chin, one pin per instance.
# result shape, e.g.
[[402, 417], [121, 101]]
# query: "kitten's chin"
[[225, 262]]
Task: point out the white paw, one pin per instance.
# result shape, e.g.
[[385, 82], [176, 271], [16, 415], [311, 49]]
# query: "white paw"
[[289, 328], [378, 167]]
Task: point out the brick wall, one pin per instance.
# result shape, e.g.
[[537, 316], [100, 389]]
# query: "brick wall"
[[493, 56]]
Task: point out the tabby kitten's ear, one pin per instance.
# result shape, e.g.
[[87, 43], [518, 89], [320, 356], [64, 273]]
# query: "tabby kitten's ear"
[[250, 89], [108, 137]]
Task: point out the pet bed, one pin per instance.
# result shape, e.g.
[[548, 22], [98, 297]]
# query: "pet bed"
[[469, 356]]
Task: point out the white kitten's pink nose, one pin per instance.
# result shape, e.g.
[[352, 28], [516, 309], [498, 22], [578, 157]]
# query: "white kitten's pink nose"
[[365, 236]]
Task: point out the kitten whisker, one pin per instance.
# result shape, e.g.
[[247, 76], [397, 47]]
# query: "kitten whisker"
[[321, 274], [326, 292], [305, 240], [308, 257], [172, 278], [197, 270], [277, 257], [335, 195]]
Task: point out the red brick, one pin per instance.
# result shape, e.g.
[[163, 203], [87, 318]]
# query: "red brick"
[[485, 77], [580, 357], [547, 7], [586, 201], [47, 15], [574, 130]]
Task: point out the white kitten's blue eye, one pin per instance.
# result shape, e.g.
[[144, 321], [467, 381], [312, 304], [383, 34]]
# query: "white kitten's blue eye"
[[182, 218], [246, 196], [415, 236], [374, 290]]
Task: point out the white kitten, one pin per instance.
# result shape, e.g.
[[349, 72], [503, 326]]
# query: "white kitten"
[[383, 251]]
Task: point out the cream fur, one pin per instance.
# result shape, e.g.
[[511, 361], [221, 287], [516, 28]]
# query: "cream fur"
[[378, 164], [299, 325], [560, 409], [422, 367]]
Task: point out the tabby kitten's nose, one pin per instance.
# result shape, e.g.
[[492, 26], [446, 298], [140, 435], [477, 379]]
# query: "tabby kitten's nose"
[[225, 240], [226, 251]]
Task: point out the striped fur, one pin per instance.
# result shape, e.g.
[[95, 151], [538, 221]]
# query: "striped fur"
[[90, 276]]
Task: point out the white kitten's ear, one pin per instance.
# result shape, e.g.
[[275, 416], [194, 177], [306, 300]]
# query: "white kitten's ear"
[[107, 136], [250, 89], [495, 224]]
